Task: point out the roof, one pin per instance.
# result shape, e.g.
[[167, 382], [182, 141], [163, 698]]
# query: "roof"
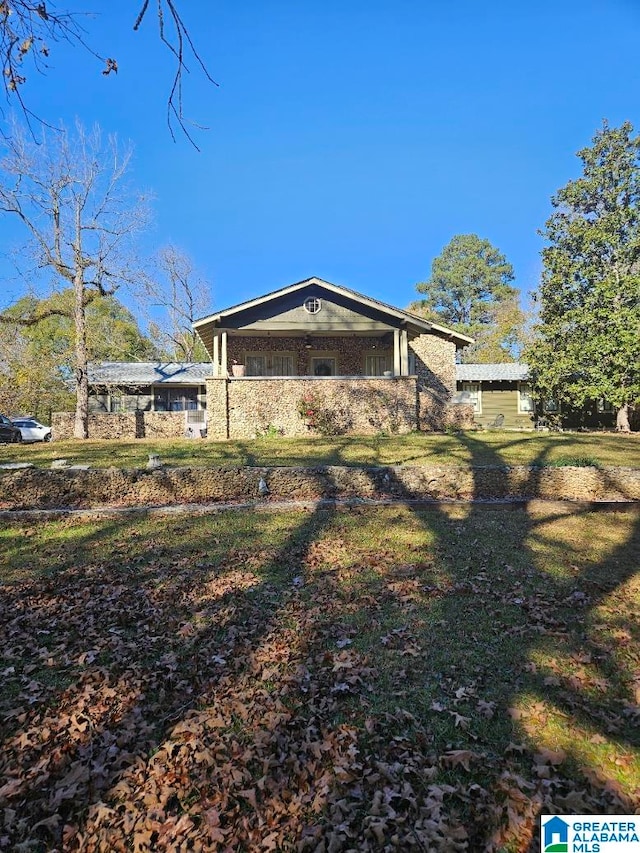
[[509, 372], [406, 316], [148, 373]]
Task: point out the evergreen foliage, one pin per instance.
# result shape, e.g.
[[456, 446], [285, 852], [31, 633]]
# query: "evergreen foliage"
[[470, 290], [588, 339]]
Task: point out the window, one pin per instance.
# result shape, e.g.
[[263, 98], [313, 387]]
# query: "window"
[[282, 365], [270, 364], [255, 365], [603, 406], [475, 395], [551, 406], [323, 366], [375, 365], [175, 399], [312, 305], [525, 399]]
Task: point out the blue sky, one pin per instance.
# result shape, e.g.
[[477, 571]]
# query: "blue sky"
[[351, 140]]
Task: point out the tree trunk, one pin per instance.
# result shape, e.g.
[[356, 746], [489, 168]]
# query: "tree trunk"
[[81, 425], [622, 419]]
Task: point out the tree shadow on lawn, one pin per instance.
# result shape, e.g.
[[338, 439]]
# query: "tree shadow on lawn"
[[103, 663], [227, 694], [517, 680]]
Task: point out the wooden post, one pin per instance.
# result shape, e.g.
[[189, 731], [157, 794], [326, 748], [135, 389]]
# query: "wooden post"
[[224, 365], [404, 353], [216, 354], [396, 352]]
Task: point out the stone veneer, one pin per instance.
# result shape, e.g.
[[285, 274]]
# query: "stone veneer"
[[244, 408], [123, 425], [350, 352], [359, 405], [365, 405], [34, 488]]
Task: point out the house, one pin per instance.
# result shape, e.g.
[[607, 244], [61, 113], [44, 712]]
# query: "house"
[[362, 366], [118, 386], [502, 397], [356, 364], [499, 393]]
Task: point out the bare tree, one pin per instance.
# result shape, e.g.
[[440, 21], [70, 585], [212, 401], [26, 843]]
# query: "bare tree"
[[29, 28], [69, 194], [182, 295]]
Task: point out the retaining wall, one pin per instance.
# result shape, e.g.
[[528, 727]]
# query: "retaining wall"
[[44, 488]]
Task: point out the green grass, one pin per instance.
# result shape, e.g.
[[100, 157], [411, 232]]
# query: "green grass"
[[345, 672], [478, 448]]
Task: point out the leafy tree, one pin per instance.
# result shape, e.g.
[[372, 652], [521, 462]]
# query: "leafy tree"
[[588, 341], [29, 29], [469, 289], [38, 360], [69, 195]]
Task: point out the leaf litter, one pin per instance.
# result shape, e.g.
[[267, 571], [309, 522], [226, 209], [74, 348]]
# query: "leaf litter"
[[293, 698]]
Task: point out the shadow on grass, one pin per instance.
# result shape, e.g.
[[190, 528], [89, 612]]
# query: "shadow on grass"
[[533, 654], [241, 678]]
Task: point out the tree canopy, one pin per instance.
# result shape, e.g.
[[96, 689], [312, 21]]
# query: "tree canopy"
[[588, 339], [181, 295], [470, 289], [38, 360]]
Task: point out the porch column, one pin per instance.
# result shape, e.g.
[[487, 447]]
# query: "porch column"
[[216, 354], [224, 367], [404, 353], [396, 352]]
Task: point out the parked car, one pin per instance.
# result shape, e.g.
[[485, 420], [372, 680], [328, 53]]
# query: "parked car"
[[8, 432], [32, 430]]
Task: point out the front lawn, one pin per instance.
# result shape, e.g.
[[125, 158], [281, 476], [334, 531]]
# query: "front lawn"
[[475, 448], [369, 679]]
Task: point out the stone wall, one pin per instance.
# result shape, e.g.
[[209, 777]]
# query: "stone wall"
[[34, 488], [350, 351], [361, 406], [435, 364], [123, 425]]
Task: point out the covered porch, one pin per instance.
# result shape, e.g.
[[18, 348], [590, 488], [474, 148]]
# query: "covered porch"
[[332, 353]]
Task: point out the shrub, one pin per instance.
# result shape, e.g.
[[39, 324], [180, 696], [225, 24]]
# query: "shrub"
[[320, 417]]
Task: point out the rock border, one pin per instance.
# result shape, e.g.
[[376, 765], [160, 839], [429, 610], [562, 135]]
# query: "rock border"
[[68, 488]]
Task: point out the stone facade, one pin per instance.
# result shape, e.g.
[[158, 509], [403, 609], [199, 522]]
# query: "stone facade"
[[349, 351], [362, 406], [34, 488], [354, 402], [435, 360], [123, 425]]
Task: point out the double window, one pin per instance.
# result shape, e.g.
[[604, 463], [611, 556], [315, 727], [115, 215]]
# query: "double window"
[[175, 399], [376, 364]]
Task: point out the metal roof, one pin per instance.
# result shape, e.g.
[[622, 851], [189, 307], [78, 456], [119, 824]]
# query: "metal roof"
[[148, 373], [510, 372]]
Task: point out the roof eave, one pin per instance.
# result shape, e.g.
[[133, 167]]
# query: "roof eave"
[[405, 316]]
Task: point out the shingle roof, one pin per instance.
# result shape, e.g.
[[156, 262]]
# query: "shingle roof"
[[511, 372], [148, 373]]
